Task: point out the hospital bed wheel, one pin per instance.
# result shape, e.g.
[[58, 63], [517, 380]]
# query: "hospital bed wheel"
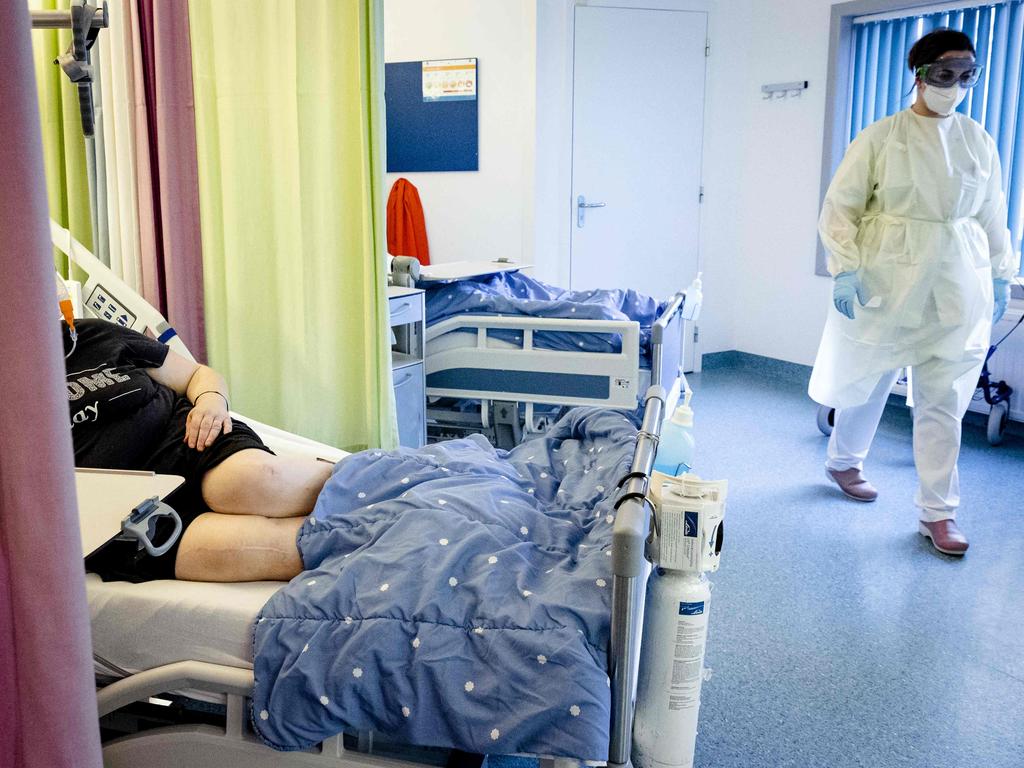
[[826, 419], [997, 420]]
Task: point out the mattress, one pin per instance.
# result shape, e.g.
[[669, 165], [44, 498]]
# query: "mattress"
[[141, 626]]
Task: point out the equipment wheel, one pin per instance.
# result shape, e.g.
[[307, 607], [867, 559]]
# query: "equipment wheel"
[[997, 420], [826, 419]]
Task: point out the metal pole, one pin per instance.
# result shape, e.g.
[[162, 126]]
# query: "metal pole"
[[658, 337], [91, 173], [82, 37], [62, 19], [623, 648], [630, 567]]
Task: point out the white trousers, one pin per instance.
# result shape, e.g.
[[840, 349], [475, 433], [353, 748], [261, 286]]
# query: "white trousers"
[[942, 392]]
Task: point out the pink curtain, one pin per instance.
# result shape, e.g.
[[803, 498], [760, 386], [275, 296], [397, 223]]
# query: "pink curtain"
[[47, 695], [168, 171]]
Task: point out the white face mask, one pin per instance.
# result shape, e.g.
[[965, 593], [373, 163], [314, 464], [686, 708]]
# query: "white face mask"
[[943, 101]]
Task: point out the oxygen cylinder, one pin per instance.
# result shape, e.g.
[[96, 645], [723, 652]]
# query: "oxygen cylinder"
[[671, 669]]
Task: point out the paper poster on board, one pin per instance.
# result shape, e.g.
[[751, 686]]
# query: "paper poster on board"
[[436, 134], [449, 80]]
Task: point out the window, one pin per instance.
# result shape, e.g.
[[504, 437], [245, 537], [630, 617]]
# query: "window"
[[869, 78]]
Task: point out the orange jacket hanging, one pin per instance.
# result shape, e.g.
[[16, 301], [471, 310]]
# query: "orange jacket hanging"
[[407, 229]]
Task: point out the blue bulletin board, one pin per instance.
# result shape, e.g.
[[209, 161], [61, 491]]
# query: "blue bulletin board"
[[432, 115]]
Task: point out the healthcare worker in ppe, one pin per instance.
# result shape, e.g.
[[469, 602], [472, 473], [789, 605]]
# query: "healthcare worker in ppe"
[[914, 223]]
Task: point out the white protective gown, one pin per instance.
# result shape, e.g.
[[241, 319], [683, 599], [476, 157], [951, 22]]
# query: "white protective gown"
[[917, 210]]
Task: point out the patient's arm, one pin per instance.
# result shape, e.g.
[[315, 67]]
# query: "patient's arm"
[[205, 389]]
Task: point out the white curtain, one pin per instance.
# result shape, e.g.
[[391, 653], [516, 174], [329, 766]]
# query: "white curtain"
[[121, 101]]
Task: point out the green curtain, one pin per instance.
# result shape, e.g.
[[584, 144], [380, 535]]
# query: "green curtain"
[[64, 149], [289, 120]]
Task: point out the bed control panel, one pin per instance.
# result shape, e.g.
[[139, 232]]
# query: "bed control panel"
[[103, 305]]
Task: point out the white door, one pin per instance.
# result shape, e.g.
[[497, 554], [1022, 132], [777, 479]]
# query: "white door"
[[638, 114]]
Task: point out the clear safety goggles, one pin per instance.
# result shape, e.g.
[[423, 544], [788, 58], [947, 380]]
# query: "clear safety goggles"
[[946, 73]]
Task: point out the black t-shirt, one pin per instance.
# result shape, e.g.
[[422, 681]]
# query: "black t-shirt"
[[118, 413]]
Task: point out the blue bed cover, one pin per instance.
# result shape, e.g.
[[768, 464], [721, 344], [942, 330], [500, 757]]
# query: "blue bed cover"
[[454, 596], [513, 293]]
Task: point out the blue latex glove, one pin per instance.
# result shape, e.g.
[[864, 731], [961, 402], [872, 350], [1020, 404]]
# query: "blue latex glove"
[[1001, 290], [846, 288]]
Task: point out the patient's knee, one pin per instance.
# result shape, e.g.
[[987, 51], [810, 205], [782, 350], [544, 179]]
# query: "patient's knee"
[[238, 483]]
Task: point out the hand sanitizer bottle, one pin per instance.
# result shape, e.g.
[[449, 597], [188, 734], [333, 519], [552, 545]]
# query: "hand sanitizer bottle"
[[676, 447]]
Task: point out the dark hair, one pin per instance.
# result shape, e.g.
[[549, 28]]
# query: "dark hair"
[[934, 44]]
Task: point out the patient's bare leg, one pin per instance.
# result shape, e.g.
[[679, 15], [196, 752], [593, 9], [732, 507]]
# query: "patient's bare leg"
[[239, 548], [254, 482]]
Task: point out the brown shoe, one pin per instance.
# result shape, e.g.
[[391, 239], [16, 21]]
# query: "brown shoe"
[[852, 483], [945, 536]]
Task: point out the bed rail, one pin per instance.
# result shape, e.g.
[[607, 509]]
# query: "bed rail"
[[667, 343], [527, 374], [192, 675], [108, 297], [629, 578]]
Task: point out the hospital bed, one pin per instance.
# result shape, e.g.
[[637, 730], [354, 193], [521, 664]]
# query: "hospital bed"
[[511, 383], [196, 638]]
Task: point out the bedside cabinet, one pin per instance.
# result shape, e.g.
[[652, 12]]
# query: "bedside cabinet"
[[407, 322]]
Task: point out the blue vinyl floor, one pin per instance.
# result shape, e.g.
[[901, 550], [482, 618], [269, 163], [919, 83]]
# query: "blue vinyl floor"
[[838, 636]]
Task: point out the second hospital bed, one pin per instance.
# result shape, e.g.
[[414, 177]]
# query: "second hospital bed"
[[175, 636], [498, 369]]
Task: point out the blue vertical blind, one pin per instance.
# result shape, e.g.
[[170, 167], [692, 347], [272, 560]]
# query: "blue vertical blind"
[[882, 84]]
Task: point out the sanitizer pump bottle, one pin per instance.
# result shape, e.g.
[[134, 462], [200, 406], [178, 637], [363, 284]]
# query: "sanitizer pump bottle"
[[676, 448]]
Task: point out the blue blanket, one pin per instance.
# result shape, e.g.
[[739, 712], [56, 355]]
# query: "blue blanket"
[[513, 293], [454, 596]]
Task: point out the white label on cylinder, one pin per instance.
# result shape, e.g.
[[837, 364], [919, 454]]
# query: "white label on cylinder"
[[687, 662], [679, 536]]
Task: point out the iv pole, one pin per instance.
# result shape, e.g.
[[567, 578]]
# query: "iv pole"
[[85, 21]]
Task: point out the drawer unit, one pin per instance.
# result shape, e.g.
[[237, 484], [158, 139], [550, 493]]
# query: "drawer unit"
[[411, 404], [407, 322], [403, 310]]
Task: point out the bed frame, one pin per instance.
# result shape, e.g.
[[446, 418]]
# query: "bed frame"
[[504, 377], [234, 745]]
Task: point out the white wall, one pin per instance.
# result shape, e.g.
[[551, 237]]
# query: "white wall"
[[780, 305], [725, 138], [553, 207], [762, 164], [487, 213]]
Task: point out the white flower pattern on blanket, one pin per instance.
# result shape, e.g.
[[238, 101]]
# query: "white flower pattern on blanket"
[[480, 624]]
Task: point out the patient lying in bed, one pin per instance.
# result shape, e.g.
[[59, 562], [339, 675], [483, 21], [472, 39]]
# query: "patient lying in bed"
[[135, 404]]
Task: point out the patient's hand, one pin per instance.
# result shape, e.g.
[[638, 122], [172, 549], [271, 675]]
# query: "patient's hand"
[[208, 418]]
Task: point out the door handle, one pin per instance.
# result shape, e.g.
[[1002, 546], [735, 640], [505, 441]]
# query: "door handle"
[[581, 206]]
